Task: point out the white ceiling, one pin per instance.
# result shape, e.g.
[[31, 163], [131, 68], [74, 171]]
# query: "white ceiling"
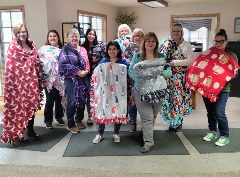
[[134, 3]]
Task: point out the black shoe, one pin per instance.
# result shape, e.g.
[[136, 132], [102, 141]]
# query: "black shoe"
[[31, 134], [24, 140], [60, 122], [49, 125], [89, 122], [171, 128], [178, 128]]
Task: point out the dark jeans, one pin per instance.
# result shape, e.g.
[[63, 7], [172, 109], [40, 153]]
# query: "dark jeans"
[[88, 98], [132, 111], [101, 128], [51, 97], [216, 114], [71, 109]]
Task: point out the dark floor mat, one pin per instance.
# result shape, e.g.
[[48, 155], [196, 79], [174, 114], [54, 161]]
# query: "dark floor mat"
[[195, 137], [166, 143], [49, 137]]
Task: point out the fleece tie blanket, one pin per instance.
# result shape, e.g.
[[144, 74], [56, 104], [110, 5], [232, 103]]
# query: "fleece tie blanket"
[[22, 90], [108, 95], [49, 56], [210, 72]]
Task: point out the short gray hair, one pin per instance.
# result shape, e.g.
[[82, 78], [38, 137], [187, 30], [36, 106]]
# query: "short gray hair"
[[73, 31]]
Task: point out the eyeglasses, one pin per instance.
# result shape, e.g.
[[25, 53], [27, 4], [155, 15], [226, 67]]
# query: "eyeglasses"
[[137, 36], [219, 42]]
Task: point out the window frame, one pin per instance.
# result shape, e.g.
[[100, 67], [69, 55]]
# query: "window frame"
[[95, 14]]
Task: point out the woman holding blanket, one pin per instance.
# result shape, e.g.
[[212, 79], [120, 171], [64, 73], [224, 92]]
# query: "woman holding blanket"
[[210, 75], [54, 85], [147, 68], [74, 66], [109, 92], [23, 85], [179, 54]]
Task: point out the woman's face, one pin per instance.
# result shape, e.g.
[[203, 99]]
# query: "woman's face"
[[112, 51], [137, 38], [91, 36], [150, 44], [176, 33], [74, 39], [220, 42], [123, 32], [22, 34], [53, 39]]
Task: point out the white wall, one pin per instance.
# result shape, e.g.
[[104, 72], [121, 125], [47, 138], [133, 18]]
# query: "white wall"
[[158, 19], [66, 11], [35, 16]]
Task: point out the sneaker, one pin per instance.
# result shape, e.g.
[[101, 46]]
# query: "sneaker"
[[116, 138], [49, 125], [80, 125], [146, 148], [60, 121], [89, 122], [74, 130], [133, 128], [222, 141], [210, 136], [97, 139]]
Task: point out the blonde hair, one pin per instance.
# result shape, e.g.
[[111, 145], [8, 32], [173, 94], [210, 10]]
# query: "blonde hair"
[[123, 26], [135, 31], [17, 29], [143, 49]]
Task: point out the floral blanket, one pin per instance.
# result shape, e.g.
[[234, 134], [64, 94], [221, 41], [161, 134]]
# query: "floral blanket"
[[210, 72], [22, 90], [108, 95], [49, 56]]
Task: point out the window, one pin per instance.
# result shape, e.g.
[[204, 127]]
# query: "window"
[[198, 36], [9, 17], [97, 21]]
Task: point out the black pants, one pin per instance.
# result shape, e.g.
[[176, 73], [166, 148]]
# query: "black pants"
[[101, 128], [30, 124], [51, 97]]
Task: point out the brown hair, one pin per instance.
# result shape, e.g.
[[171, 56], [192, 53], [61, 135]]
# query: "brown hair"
[[143, 49]]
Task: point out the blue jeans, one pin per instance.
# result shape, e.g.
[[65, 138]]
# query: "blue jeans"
[[71, 109], [52, 97], [132, 111], [216, 114]]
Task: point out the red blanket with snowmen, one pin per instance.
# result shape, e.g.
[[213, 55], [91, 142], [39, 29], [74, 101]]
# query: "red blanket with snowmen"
[[210, 72]]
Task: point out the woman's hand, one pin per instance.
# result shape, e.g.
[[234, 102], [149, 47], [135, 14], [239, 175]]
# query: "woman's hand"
[[171, 63], [82, 73], [125, 42]]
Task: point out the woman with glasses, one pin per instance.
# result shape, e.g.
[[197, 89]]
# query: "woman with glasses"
[[210, 75], [179, 54], [131, 49], [74, 67]]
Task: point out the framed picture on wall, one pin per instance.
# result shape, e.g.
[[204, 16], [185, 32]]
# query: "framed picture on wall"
[[237, 25], [66, 27]]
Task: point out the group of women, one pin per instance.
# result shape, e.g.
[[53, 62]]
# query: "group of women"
[[132, 73]]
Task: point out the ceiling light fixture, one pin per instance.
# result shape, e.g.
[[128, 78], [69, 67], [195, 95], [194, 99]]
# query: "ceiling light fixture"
[[154, 3]]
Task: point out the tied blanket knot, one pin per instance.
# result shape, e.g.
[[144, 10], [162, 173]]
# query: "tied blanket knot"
[[210, 72]]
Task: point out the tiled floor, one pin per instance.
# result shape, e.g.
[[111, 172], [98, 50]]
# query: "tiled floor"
[[193, 163]]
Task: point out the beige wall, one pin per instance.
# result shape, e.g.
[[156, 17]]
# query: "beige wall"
[[158, 19], [35, 16], [66, 11]]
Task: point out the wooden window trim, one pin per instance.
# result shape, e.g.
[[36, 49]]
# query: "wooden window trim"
[[94, 14]]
